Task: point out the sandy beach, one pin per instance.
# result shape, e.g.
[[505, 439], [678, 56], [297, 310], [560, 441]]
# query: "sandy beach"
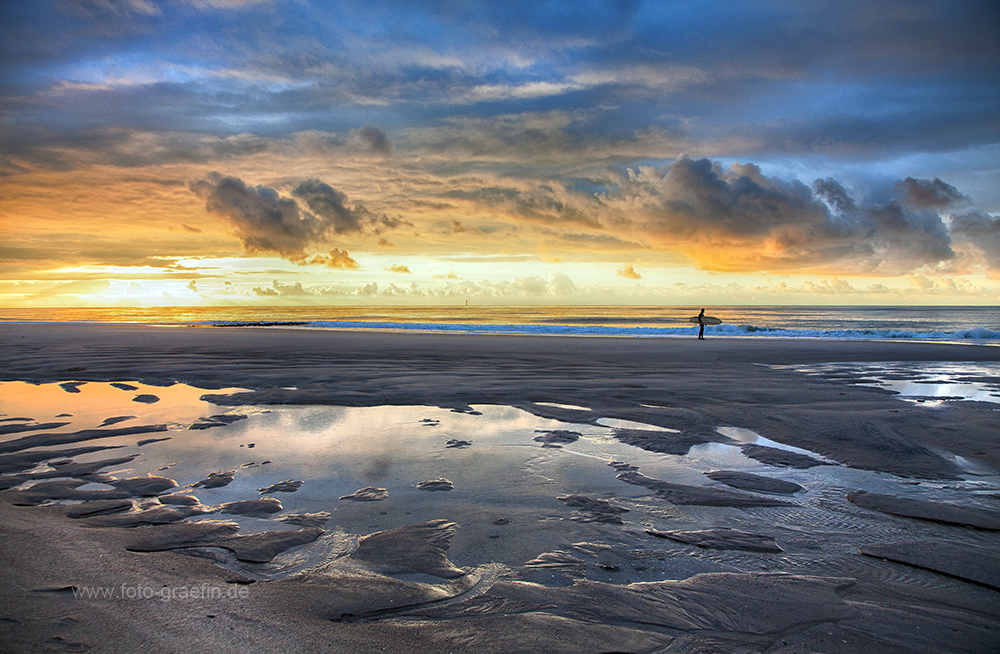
[[850, 519]]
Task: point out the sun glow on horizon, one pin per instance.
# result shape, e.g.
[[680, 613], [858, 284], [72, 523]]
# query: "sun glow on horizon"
[[593, 159]]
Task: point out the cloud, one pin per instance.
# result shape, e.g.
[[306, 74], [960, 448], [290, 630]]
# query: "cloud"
[[981, 232], [368, 289], [738, 219], [330, 205], [268, 223], [224, 4], [277, 289], [400, 291], [99, 8], [335, 258], [830, 287], [128, 147], [928, 194], [628, 272], [395, 268], [560, 284], [540, 204], [374, 138], [458, 228]]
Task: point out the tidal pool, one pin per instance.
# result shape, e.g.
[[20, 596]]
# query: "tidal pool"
[[928, 384], [513, 486]]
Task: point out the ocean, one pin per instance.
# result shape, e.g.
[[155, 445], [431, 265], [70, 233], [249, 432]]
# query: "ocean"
[[974, 324]]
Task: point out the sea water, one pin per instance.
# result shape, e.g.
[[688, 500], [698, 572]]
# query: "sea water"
[[980, 324]]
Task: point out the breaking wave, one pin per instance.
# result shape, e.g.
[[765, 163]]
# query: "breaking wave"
[[732, 331]]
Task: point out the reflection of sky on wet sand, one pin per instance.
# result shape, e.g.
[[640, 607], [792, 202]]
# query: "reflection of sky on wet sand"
[[503, 474], [95, 402], [748, 437], [731, 457], [929, 384], [571, 407], [618, 423]]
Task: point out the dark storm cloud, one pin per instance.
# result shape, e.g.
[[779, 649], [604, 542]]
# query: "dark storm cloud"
[[786, 224], [328, 203], [929, 194], [835, 196], [698, 195], [981, 231], [268, 223]]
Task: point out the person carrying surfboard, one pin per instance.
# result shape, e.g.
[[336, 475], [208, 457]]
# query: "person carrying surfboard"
[[703, 320]]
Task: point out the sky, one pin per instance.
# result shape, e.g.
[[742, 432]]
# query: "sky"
[[297, 152]]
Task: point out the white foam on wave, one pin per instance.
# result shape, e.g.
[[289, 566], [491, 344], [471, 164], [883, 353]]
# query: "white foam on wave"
[[977, 334]]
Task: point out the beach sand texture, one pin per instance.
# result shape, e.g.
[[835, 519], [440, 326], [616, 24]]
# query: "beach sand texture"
[[841, 518]]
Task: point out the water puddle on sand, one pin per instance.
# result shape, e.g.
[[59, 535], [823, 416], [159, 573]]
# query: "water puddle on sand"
[[618, 423], [556, 405], [749, 437], [91, 405], [506, 474], [927, 384]]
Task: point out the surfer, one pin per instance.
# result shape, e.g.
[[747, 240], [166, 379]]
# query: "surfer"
[[701, 319]]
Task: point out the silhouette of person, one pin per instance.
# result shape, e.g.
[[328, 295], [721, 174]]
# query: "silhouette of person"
[[701, 325]]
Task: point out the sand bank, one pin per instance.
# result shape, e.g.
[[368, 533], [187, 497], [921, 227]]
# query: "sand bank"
[[726, 567]]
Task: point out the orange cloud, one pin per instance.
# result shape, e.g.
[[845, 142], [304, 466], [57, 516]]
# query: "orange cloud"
[[335, 258], [628, 272]]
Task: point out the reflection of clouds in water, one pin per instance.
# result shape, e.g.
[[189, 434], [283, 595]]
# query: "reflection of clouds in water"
[[930, 384], [377, 466], [618, 423], [502, 474], [749, 437], [95, 402], [570, 407]]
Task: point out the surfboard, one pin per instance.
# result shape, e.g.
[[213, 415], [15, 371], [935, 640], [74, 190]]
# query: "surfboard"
[[708, 320]]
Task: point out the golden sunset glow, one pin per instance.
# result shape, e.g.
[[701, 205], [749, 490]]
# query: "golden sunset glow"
[[557, 161]]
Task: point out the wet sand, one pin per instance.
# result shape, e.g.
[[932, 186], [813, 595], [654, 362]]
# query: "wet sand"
[[397, 590]]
